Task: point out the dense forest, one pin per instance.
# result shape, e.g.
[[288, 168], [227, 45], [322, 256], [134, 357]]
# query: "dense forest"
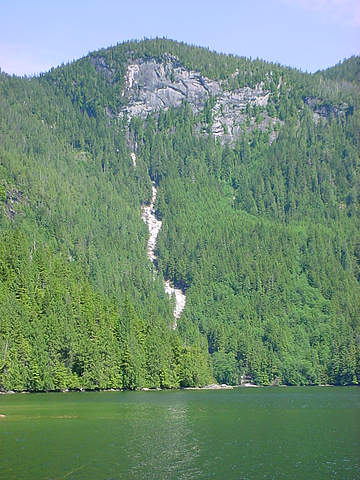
[[261, 232]]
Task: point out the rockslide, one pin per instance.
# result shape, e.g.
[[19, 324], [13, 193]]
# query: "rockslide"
[[154, 225]]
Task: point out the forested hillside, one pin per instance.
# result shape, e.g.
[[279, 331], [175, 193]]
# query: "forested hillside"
[[257, 173]]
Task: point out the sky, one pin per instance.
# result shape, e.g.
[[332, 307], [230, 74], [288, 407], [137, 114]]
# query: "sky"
[[36, 35]]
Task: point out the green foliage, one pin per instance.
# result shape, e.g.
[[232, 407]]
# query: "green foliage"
[[264, 238], [348, 70], [58, 332], [225, 368]]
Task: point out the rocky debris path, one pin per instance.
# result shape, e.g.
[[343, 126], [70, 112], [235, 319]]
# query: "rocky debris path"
[[154, 225]]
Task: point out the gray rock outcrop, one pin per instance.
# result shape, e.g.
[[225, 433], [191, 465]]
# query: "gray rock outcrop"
[[151, 86], [323, 109]]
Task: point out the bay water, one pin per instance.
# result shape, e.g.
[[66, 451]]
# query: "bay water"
[[244, 433]]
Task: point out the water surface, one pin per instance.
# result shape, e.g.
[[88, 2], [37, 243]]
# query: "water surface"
[[264, 433]]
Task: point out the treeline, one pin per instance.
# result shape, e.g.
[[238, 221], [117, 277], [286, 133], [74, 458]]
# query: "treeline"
[[348, 69], [58, 332]]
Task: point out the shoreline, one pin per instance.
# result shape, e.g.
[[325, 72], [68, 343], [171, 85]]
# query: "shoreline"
[[158, 389]]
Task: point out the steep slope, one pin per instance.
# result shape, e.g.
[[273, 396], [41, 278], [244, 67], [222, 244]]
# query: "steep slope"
[[256, 169], [153, 86], [79, 207], [154, 225], [348, 70]]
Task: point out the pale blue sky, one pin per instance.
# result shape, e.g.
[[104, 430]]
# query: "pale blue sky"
[[307, 34]]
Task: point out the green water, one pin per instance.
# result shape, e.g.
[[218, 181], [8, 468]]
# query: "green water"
[[265, 433]]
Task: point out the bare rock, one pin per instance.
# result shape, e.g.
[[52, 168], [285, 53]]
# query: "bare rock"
[[152, 85]]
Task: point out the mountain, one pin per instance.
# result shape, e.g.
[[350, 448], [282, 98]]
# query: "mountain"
[[348, 70], [249, 170]]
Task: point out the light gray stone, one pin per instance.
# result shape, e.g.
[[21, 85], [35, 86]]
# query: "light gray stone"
[[151, 86]]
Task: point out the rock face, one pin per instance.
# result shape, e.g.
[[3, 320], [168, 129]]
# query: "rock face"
[[229, 112], [324, 110], [151, 86], [13, 200]]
